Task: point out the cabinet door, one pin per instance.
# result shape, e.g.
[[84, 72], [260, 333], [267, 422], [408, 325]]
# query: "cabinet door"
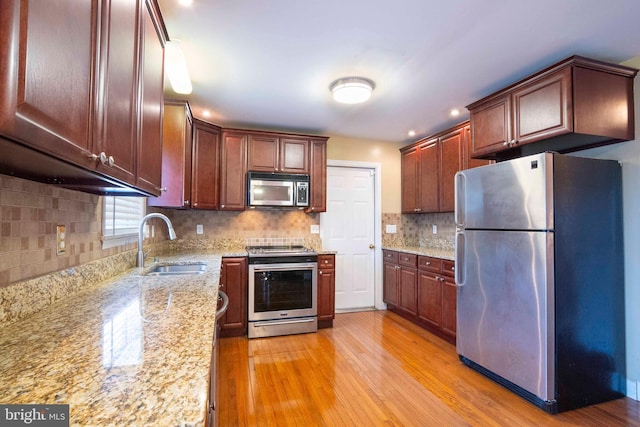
[[390, 283], [491, 126], [450, 163], [318, 177], [429, 176], [410, 181], [469, 162], [176, 156], [149, 166], [430, 299], [262, 153], [233, 170], [116, 122], [449, 306], [294, 155], [326, 294], [233, 281], [541, 108], [409, 290], [205, 169], [47, 89]]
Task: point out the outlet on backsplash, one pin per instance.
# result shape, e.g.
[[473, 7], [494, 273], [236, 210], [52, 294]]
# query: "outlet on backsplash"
[[61, 246]]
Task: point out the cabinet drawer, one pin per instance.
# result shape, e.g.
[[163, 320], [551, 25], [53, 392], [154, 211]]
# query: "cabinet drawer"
[[390, 256], [428, 263], [448, 268], [326, 261], [409, 260]]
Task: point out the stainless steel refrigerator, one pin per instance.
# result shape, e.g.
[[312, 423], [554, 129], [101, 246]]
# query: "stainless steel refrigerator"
[[540, 278]]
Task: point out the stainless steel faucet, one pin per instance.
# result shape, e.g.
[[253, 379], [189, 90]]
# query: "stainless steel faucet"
[[172, 234]]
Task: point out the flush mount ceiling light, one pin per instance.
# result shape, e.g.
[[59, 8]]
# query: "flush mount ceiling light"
[[176, 68], [351, 90]]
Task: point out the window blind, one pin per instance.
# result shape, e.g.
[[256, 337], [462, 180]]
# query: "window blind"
[[122, 215]]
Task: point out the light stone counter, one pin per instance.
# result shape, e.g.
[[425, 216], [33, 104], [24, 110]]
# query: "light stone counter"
[[447, 254], [133, 350]]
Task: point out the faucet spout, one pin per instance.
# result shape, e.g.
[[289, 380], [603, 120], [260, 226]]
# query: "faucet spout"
[[172, 233]]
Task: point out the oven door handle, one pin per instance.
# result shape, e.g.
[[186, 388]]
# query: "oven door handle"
[[283, 322], [271, 267]]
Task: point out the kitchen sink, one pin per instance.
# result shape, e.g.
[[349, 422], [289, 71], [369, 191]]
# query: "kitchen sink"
[[173, 269]]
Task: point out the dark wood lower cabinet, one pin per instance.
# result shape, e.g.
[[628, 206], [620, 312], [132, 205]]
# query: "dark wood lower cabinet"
[[426, 295], [234, 281], [326, 290], [409, 290]]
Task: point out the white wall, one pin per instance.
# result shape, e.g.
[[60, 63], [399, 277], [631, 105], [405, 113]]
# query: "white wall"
[[628, 153]]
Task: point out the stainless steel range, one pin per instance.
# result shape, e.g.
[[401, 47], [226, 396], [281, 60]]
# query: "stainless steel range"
[[283, 290]]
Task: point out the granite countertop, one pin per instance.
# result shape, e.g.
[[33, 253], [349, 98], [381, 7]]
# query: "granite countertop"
[[448, 254], [131, 350]]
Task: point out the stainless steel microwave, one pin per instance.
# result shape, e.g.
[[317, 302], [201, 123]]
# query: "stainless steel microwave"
[[277, 190]]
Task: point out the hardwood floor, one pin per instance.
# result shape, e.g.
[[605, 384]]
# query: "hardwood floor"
[[376, 369]]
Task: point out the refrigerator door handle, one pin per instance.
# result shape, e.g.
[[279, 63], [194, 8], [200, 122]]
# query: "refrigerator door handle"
[[460, 181], [459, 259]]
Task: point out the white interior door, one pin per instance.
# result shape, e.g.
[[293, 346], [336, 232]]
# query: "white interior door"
[[347, 227]]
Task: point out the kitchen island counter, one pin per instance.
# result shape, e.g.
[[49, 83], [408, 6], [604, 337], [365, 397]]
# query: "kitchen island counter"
[[131, 350]]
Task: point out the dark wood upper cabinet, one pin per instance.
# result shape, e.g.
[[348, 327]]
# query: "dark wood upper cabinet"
[[262, 153], [469, 162], [233, 171], [428, 176], [48, 76], [70, 89], [116, 121], [318, 176], [451, 146], [409, 180], [294, 155], [277, 153], [575, 104], [177, 129], [205, 166], [428, 170], [149, 169]]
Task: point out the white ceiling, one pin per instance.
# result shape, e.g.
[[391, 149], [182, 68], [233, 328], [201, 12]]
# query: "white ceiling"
[[268, 63]]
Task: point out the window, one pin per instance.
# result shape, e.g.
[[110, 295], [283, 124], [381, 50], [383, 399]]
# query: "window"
[[120, 219]]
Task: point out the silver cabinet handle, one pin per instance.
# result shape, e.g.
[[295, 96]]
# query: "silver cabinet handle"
[[427, 263], [111, 161], [222, 206], [320, 273], [103, 158]]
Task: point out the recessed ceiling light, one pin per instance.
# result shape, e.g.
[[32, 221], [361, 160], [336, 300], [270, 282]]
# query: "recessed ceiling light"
[[411, 133], [454, 112], [351, 90], [185, 2], [206, 113]]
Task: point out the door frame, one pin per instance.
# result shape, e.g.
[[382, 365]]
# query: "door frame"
[[377, 221]]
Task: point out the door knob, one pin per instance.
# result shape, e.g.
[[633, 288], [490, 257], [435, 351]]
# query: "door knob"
[[371, 246]]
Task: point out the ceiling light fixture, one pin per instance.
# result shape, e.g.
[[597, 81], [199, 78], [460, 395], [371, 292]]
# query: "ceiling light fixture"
[[411, 133], [176, 68], [454, 112], [185, 2], [351, 90]]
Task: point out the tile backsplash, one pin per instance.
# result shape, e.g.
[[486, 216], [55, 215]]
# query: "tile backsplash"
[[243, 225], [417, 230], [29, 214]]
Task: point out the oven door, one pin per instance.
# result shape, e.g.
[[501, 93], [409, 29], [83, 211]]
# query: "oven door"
[[283, 291]]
